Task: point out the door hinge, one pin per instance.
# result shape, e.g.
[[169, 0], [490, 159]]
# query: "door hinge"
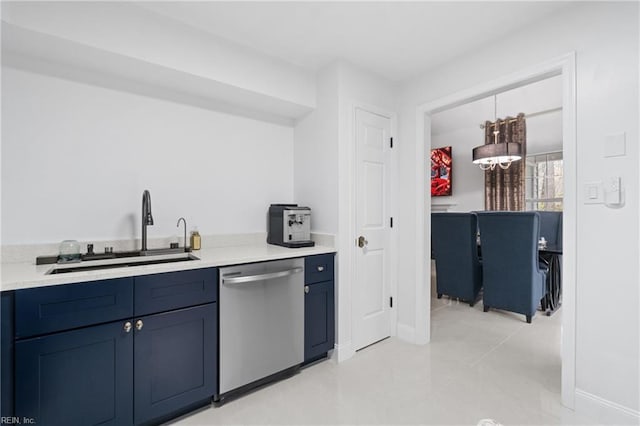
[[391, 302], [391, 142], [391, 222]]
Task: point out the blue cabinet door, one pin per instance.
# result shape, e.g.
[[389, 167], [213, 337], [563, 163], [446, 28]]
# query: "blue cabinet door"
[[79, 377], [319, 320], [175, 361]]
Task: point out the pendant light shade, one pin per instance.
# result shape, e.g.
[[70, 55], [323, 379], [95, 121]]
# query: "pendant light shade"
[[501, 154], [488, 156]]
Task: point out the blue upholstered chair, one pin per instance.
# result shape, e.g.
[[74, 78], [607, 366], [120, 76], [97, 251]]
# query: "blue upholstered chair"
[[551, 228], [513, 279], [455, 249]]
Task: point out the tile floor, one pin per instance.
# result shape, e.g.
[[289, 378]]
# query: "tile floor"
[[478, 365]]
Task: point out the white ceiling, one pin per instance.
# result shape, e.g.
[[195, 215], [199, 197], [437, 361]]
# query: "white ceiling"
[[397, 40]]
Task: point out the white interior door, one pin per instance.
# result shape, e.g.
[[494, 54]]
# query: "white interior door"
[[372, 242]]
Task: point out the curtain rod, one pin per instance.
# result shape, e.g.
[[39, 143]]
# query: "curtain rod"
[[533, 114]]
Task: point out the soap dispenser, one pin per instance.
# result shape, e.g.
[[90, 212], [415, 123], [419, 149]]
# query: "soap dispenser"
[[196, 241]]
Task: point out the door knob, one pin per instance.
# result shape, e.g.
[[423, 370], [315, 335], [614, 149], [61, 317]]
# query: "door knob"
[[139, 325], [362, 241], [127, 326], [306, 289]]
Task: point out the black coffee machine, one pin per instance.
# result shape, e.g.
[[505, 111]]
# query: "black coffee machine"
[[289, 226]]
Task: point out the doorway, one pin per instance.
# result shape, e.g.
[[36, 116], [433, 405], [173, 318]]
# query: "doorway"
[[455, 133], [564, 67]]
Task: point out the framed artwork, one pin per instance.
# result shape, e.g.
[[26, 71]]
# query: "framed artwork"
[[441, 163]]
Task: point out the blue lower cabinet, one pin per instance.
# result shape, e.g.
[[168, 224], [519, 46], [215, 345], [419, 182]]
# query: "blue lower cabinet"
[[319, 320], [112, 364], [175, 361], [79, 377]]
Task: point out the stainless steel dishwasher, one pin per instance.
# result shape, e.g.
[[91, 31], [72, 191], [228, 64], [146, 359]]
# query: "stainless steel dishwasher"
[[261, 322]]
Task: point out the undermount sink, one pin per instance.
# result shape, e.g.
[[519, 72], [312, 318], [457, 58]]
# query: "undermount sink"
[[123, 260]]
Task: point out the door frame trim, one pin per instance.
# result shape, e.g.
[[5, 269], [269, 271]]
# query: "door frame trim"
[[566, 66], [347, 221]]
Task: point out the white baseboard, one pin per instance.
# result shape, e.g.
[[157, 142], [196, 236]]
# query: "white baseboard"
[[605, 411], [406, 333], [343, 352]]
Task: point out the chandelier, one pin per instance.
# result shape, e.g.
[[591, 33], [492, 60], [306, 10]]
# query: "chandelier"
[[500, 154]]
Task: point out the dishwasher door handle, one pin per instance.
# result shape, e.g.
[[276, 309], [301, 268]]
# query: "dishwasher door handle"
[[261, 277]]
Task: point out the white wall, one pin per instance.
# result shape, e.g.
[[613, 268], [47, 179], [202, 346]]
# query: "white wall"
[[605, 39], [316, 155], [465, 134], [459, 128], [76, 158]]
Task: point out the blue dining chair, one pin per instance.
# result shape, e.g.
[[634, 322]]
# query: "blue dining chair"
[[551, 228], [455, 250], [513, 278]]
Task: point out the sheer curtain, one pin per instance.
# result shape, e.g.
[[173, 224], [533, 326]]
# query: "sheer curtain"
[[505, 189]]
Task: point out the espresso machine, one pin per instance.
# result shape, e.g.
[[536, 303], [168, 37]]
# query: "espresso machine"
[[289, 226]]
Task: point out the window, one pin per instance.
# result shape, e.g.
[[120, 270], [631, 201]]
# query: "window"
[[544, 182]]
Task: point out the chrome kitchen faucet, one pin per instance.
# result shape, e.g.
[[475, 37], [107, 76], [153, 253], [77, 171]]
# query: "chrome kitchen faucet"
[[147, 218]]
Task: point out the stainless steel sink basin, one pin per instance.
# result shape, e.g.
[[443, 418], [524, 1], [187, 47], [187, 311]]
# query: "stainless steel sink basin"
[[149, 257]]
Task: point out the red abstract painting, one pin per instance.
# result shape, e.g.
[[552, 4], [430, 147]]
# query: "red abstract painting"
[[441, 171]]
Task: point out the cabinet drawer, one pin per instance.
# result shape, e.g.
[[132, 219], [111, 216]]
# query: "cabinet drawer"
[[62, 307], [318, 268], [173, 290]]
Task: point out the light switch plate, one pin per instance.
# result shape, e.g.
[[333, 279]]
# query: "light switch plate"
[[593, 192], [615, 145]]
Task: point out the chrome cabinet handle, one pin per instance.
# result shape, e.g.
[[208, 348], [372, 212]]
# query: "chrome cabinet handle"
[[127, 326], [362, 241], [139, 325], [320, 268], [306, 289]]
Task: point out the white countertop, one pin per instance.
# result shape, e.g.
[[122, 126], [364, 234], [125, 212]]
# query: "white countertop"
[[28, 275]]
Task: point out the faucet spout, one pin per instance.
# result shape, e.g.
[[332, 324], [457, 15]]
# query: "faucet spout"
[[182, 219], [147, 218]]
